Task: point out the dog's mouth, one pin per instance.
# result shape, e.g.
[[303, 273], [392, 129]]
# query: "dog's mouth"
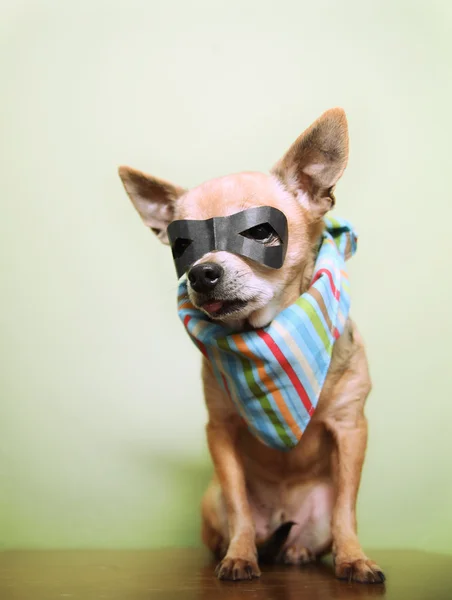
[[221, 308]]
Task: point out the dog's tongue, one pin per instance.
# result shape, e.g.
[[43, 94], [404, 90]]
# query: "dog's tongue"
[[213, 307]]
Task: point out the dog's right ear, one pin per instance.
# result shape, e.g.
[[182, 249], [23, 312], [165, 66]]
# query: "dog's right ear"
[[153, 198]]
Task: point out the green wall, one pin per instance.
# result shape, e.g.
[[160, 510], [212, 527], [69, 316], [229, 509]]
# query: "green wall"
[[101, 413]]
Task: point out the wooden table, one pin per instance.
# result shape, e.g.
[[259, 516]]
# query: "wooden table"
[[187, 574]]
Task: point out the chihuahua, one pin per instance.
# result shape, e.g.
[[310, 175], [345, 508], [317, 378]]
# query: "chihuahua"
[[291, 506]]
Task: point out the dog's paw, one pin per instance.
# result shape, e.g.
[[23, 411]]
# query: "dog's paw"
[[362, 570], [237, 569], [297, 556]]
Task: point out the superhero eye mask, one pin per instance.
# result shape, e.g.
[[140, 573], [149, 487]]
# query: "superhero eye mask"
[[259, 234]]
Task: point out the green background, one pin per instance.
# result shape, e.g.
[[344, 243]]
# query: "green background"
[[101, 414]]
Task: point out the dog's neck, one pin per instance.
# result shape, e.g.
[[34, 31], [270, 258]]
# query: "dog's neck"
[[299, 283]]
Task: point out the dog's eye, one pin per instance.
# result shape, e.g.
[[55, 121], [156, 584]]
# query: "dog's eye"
[[263, 233], [179, 247]]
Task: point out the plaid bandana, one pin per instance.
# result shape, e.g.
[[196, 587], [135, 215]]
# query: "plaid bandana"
[[274, 375]]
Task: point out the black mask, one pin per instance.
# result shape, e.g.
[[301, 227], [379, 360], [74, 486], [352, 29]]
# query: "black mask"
[[247, 233]]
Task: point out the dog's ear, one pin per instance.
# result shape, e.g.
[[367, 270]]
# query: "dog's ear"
[[153, 198], [316, 160]]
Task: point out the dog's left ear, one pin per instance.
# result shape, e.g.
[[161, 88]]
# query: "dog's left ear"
[[316, 160]]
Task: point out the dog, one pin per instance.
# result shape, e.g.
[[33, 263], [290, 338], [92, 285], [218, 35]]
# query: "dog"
[[291, 506]]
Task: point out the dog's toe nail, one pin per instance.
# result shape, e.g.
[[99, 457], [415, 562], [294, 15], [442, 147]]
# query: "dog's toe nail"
[[221, 571], [380, 576]]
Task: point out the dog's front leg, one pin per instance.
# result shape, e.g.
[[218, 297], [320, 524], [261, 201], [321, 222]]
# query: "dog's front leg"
[[240, 561], [350, 436]]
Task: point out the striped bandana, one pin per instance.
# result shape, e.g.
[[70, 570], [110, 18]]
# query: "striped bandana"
[[274, 375]]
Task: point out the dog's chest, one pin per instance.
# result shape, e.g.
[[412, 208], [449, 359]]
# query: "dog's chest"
[[310, 459]]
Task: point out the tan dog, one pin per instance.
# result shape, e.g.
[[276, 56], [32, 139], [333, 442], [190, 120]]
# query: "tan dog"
[[257, 489]]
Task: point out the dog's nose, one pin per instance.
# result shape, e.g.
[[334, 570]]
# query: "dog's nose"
[[204, 277]]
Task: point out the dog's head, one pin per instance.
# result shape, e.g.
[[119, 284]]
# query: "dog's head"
[[229, 287]]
